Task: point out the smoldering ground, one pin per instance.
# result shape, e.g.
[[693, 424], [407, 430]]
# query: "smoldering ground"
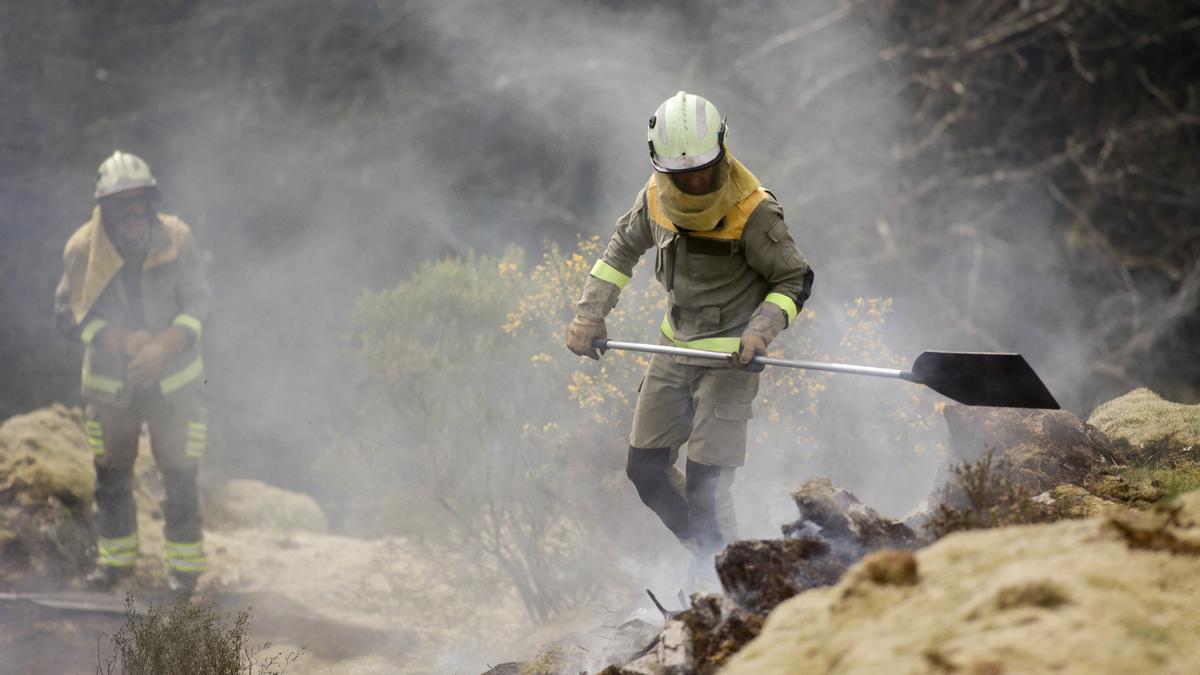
[[320, 149]]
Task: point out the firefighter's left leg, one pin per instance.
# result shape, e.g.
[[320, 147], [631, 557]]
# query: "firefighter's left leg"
[[661, 424], [178, 437]]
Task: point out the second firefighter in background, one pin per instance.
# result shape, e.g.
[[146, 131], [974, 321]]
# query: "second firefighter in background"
[[134, 292]]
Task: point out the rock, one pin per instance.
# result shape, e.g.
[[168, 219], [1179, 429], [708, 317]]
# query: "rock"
[[1036, 449], [850, 527], [1072, 501], [1112, 594], [251, 503], [1173, 527], [509, 668], [1117, 487], [834, 530], [1154, 428], [46, 478], [889, 567], [760, 574]]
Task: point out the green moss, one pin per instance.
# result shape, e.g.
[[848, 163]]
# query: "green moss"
[[1153, 427], [1172, 480]]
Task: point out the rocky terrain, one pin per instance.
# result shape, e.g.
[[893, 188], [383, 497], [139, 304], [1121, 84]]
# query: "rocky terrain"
[[1052, 544], [1049, 546], [363, 606]]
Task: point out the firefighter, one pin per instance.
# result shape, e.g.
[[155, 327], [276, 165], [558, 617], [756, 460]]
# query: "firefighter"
[[134, 292], [734, 279]]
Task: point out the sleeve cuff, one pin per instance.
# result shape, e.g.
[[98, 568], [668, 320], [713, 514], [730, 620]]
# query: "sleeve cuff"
[[785, 303], [191, 323], [91, 329], [602, 270]]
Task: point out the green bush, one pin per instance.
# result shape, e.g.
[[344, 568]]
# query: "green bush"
[[186, 637], [980, 495]]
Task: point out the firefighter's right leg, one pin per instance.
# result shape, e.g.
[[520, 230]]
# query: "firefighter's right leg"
[[661, 424], [113, 435]]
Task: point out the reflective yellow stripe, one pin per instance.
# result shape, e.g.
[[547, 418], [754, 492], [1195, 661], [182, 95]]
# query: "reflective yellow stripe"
[[189, 321], [177, 380], [89, 331], [602, 270], [785, 303], [725, 345], [118, 545], [118, 552], [199, 426], [184, 549], [107, 385], [188, 565], [185, 556]]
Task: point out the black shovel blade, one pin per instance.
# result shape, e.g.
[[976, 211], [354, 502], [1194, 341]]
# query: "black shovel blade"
[[982, 378]]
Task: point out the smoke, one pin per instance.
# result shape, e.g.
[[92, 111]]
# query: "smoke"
[[319, 149]]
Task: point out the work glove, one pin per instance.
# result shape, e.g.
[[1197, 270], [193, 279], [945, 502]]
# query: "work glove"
[[766, 322], [596, 301], [144, 369], [134, 342], [580, 333], [112, 340]]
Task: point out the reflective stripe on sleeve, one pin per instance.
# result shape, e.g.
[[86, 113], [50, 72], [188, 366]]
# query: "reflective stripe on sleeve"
[[785, 303], [108, 385], [602, 270], [725, 345], [183, 376], [190, 322], [89, 331]]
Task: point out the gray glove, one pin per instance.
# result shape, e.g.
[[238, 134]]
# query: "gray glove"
[[580, 334], [766, 322], [598, 299]]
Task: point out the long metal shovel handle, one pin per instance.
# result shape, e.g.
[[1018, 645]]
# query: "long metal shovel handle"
[[601, 343], [971, 378]]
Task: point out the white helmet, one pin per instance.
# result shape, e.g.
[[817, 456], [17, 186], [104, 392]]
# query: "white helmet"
[[123, 171], [686, 133]]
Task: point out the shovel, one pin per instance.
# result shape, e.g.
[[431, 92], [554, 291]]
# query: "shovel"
[[970, 378]]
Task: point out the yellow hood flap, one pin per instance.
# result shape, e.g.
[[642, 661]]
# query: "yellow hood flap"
[[93, 260]]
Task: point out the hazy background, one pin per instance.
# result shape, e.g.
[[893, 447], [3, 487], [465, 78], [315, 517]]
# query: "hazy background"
[[1016, 176]]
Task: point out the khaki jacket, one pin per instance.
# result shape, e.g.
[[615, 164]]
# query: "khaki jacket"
[[174, 290], [714, 279]]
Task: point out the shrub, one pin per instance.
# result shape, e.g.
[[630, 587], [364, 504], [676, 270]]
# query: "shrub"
[[186, 637], [980, 495]]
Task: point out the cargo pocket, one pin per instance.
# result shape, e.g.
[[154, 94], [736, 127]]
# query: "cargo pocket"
[[733, 412]]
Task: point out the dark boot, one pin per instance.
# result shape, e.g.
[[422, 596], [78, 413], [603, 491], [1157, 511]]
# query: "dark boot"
[[181, 584], [106, 577]]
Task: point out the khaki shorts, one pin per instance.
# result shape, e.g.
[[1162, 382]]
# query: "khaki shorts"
[[705, 407]]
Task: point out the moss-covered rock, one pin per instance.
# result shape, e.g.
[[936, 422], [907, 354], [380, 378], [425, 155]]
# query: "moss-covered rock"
[[1112, 594], [251, 503], [46, 479], [1072, 501], [1153, 427]]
